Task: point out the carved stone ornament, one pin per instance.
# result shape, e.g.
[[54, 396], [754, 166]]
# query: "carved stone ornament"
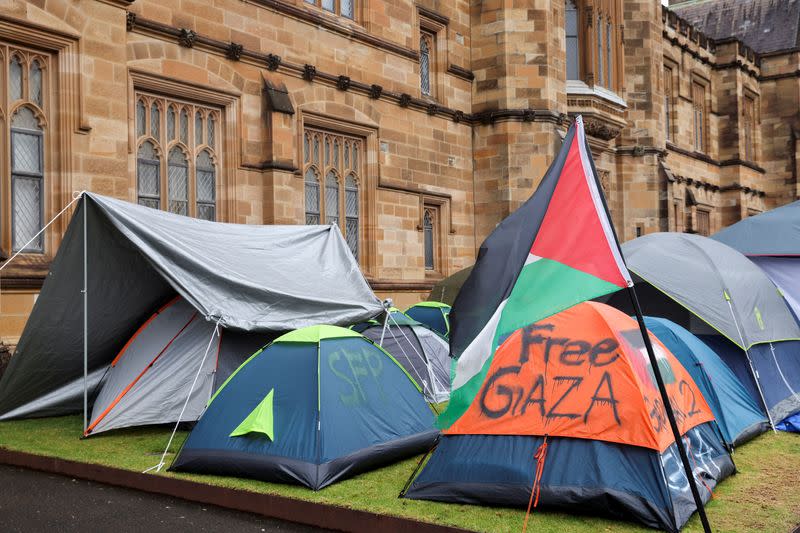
[[458, 116], [432, 109], [273, 62], [528, 115], [234, 51], [375, 91], [343, 83], [601, 130], [187, 38], [405, 99], [605, 181], [309, 72], [130, 20]]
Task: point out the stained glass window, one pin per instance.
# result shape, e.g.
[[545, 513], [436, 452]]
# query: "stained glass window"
[[186, 178]]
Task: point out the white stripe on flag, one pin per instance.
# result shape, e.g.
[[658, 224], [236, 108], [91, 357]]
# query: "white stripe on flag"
[[598, 202], [479, 350]]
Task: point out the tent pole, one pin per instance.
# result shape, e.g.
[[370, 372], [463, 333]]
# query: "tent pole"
[[701, 511], [85, 324], [753, 370]]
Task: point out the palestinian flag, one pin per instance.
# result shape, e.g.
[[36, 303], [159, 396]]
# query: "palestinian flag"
[[557, 250]]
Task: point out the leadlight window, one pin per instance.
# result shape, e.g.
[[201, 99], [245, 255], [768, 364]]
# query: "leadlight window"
[[177, 163], [337, 157], [699, 109], [429, 236], [426, 50], [23, 158], [344, 8], [668, 85], [748, 125], [573, 43], [592, 41]]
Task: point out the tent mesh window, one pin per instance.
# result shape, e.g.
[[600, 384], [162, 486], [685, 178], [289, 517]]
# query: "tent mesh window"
[[185, 181], [24, 72], [334, 200]]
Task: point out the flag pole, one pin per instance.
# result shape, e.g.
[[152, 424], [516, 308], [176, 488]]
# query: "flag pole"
[[676, 432], [670, 414]]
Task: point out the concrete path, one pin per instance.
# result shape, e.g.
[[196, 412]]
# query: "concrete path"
[[34, 501]]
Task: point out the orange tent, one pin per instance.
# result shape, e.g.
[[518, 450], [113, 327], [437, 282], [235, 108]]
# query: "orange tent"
[[569, 411]]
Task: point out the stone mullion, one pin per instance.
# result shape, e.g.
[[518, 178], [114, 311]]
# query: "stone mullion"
[[5, 161], [589, 43]]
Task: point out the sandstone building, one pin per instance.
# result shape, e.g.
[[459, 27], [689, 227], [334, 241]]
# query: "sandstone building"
[[416, 126]]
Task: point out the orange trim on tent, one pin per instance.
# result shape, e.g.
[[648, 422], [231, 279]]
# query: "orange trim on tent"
[[142, 328], [137, 378]]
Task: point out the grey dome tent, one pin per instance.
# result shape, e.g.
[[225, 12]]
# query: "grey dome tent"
[[248, 281], [772, 241], [422, 352], [711, 289]]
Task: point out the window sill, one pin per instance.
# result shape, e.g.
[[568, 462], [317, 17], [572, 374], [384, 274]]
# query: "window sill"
[[579, 88]]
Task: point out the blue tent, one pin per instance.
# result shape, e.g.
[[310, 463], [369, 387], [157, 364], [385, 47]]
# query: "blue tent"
[[778, 367], [317, 405], [435, 315], [739, 416]]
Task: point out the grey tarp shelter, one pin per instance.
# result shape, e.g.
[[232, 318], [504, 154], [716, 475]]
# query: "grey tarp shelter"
[[245, 278], [710, 288]]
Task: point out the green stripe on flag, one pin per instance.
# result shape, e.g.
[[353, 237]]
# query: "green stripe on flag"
[[547, 287], [543, 288]]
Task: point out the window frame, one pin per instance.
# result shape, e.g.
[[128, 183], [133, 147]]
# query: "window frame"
[[668, 74], [337, 8], [336, 164], [171, 137], [40, 109], [749, 123], [700, 116], [427, 38], [599, 42]]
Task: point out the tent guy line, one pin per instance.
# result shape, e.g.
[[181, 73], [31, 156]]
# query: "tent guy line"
[[160, 464]]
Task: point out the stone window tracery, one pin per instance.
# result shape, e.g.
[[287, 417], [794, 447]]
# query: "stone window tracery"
[[177, 162]]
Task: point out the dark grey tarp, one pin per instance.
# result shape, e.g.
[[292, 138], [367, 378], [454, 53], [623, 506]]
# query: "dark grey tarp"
[[716, 283], [249, 278]]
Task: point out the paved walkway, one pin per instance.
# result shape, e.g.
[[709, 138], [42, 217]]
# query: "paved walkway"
[[34, 501]]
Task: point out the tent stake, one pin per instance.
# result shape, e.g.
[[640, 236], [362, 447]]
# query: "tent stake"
[[670, 414], [85, 324]]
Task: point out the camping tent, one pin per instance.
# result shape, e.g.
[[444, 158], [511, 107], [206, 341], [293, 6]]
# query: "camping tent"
[[710, 288], [446, 290], [772, 241], [435, 315], [738, 415], [247, 279], [570, 411], [317, 405], [146, 383], [424, 354]]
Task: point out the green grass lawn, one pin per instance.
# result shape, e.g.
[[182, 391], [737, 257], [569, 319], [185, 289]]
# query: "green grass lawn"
[[764, 495]]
